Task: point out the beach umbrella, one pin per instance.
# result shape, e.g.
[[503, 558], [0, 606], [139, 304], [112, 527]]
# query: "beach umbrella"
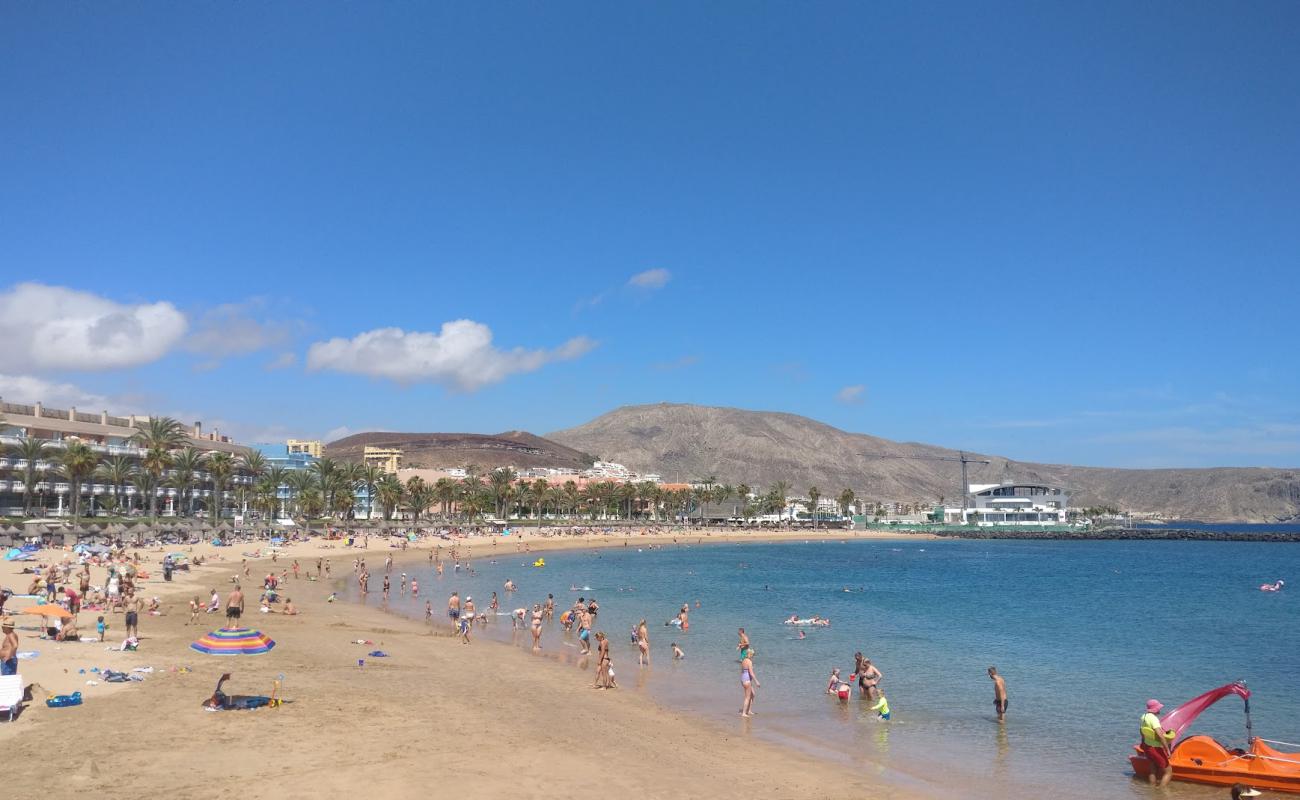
[[50, 610], [234, 642]]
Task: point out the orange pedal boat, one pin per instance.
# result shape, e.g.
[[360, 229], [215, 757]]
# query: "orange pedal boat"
[[1202, 759]]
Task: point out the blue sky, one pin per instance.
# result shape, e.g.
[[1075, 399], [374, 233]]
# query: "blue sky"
[[1049, 231]]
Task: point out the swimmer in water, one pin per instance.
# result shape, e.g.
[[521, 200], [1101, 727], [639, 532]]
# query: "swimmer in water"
[[678, 655]]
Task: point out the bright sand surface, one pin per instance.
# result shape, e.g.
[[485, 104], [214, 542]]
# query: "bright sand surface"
[[436, 718]]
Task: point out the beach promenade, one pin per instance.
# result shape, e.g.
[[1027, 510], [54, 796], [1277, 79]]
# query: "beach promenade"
[[435, 717]]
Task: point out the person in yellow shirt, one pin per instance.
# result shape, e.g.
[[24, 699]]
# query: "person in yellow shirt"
[[1156, 744]]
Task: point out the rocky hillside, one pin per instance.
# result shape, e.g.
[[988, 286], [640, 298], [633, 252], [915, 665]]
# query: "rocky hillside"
[[690, 442], [433, 450]]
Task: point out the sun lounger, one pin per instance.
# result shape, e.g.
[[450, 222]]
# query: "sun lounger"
[[11, 695]]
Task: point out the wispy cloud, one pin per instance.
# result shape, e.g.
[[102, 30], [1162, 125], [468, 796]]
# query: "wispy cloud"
[[650, 279], [852, 395], [234, 329], [282, 361], [639, 285]]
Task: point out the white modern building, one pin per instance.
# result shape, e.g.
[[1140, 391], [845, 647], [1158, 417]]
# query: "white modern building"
[[1013, 504]]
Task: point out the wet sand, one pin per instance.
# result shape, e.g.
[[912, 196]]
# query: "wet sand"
[[437, 716]]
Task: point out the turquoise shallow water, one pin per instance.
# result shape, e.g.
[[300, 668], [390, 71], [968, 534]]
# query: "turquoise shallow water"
[[1084, 632]]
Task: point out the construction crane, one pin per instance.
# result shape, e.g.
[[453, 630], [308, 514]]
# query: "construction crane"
[[961, 456]]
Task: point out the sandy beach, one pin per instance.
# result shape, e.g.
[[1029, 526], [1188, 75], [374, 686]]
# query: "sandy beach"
[[476, 721]]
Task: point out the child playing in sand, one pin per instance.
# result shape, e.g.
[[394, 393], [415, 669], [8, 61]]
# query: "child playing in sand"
[[195, 606], [101, 627]]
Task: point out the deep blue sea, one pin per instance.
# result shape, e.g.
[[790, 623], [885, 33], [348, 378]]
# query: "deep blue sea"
[[1084, 632]]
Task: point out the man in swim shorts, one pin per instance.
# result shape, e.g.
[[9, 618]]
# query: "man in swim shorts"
[[999, 694], [453, 608], [235, 605]]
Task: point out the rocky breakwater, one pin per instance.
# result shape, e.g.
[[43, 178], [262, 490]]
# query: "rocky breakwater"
[[1179, 534]]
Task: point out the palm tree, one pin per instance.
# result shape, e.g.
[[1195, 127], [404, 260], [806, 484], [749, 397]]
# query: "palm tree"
[[31, 451], [701, 495], [499, 485], [277, 477], [301, 481], [185, 463], [572, 496], [780, 492], [158, 436], [76, 463], [627, 495], [155, 462], [311, 503], [322, 470], [444, 494], [266, 496], [651, 494], [220, 466], [846, 499], [117, 471], [390, 492], [742, 494], [144, 484], [368, 477], [415, 496], [814, 494], [538, 492]]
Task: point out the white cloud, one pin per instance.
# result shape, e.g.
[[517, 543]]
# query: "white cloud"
[[27, 390], [461, 355], [650, 279], [230, 329], [53, 327], [282, 361], [851, 395]]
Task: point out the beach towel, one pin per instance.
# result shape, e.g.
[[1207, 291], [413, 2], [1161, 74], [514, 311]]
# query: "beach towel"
[[26, 655], [378, 654]]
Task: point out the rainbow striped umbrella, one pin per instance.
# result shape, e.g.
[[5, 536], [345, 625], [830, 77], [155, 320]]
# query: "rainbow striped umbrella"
[[234, 642]]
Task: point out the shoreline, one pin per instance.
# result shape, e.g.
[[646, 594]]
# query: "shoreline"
[[353, 728]]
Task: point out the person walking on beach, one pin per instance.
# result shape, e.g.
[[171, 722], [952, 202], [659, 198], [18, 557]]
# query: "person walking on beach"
[[748, 683], [999, 694], [428, 611], [1155, 744], [195, 606], [234, 606], [643, 644]]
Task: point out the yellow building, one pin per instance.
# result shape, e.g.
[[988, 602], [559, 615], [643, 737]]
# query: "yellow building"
[[389, 459], [312, 448]]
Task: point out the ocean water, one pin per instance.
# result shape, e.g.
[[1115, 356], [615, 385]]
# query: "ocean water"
[[1083, 632]]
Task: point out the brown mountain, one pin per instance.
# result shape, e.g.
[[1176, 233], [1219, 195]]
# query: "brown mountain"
[[431, 450], [688, 442]]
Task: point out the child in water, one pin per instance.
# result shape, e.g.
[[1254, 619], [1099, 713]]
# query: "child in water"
[[882, 706], [678, 655]]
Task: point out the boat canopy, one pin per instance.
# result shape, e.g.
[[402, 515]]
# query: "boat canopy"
[[1182, 717]]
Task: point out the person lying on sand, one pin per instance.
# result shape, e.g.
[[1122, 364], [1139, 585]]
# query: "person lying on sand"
[[220, 701]]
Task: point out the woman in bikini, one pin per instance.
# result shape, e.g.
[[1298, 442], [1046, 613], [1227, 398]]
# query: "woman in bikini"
[[748, 683], [643, 644], [537, 626], [602, 662]]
